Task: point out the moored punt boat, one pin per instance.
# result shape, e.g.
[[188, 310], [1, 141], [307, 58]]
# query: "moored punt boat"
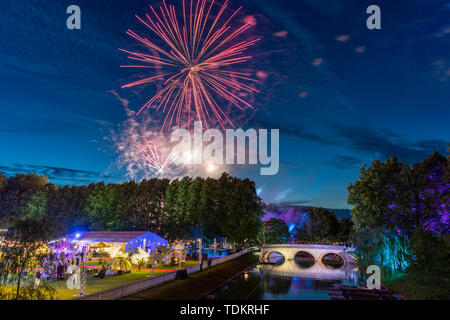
[[341, 292]]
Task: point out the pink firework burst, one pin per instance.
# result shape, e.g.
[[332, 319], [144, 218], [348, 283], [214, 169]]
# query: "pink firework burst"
[[198, 57], [154, 157]]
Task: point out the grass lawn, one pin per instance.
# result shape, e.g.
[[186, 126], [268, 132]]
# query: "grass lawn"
[[95, 285], [402, 285], [198, 284]]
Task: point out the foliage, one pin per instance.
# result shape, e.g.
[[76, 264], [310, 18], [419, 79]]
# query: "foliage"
[[432, 200], [345, 232], [37, 205], [16, 192], [103, 208], [187, 208], [23, 248], [372, 194], [177, 221], [430, 264], [226, 207], [145, 207], [384, 248], [323, 225], [276, 231], [392, 201], [66, 207]]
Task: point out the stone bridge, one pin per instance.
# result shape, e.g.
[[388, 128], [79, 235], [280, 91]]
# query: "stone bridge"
[[318, 251]]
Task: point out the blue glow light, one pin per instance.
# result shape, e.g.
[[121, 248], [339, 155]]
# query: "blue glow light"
[[291, 227]]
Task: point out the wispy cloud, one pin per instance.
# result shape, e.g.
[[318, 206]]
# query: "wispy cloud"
[[344, 162], [385, 144], [59, 175], [123, 101], [293, 203], [376, 143]]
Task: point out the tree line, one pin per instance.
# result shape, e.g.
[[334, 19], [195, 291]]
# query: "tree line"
[[319, 225], [179, 209]]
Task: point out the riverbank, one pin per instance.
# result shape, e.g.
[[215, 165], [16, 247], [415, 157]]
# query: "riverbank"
[[198, 284], [404, 285]]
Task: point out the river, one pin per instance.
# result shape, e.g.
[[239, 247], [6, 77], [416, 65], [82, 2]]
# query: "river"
[[288, 280]]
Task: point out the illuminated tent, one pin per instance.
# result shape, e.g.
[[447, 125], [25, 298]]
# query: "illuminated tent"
[[127, 240]]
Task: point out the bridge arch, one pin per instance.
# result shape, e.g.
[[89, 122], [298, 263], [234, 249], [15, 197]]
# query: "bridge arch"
[[267, 255], [304, 259], [304, 254], [336, 259]]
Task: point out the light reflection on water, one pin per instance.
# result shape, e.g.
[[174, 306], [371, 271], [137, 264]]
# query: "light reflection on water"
[[291, 280]]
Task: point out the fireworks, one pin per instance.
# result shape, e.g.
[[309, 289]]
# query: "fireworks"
[[142, 151], [145, 152], [155, 159], [198, 52]]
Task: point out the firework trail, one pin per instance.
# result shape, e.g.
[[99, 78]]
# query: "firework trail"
[[147, 153], [144, 152], [154, 158], [199, 54]]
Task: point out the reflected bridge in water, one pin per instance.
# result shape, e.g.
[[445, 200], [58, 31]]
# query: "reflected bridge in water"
[[318, 270]]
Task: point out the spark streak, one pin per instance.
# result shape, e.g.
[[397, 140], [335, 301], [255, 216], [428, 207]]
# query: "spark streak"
[[198, 54]]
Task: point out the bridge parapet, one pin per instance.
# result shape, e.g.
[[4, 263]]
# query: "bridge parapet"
[[306, 246], [318, 251]]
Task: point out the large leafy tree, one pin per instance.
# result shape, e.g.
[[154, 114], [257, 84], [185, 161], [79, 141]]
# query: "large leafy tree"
[[103, 208], [392, 201], [207, 218], [23, 247], [276, 231], [346, 226], [321, 225], [371, 195], [381, 188], [144, 210], [431, 201], [239, 208], [37, 205], [67, 207], [226, 207], [17, 191], [177, 221]]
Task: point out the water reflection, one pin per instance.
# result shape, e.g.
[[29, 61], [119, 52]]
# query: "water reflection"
[[317, 271], [298, 279]]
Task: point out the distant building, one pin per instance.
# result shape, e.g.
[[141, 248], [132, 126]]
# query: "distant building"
[[126, 240]]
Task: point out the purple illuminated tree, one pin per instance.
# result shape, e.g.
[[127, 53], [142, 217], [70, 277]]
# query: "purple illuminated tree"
[[432, 200]]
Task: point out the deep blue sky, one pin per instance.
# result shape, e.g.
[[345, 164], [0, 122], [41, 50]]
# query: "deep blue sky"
[[341, 94]]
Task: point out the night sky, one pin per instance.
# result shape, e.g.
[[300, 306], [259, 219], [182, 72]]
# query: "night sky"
[[341, 95]]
